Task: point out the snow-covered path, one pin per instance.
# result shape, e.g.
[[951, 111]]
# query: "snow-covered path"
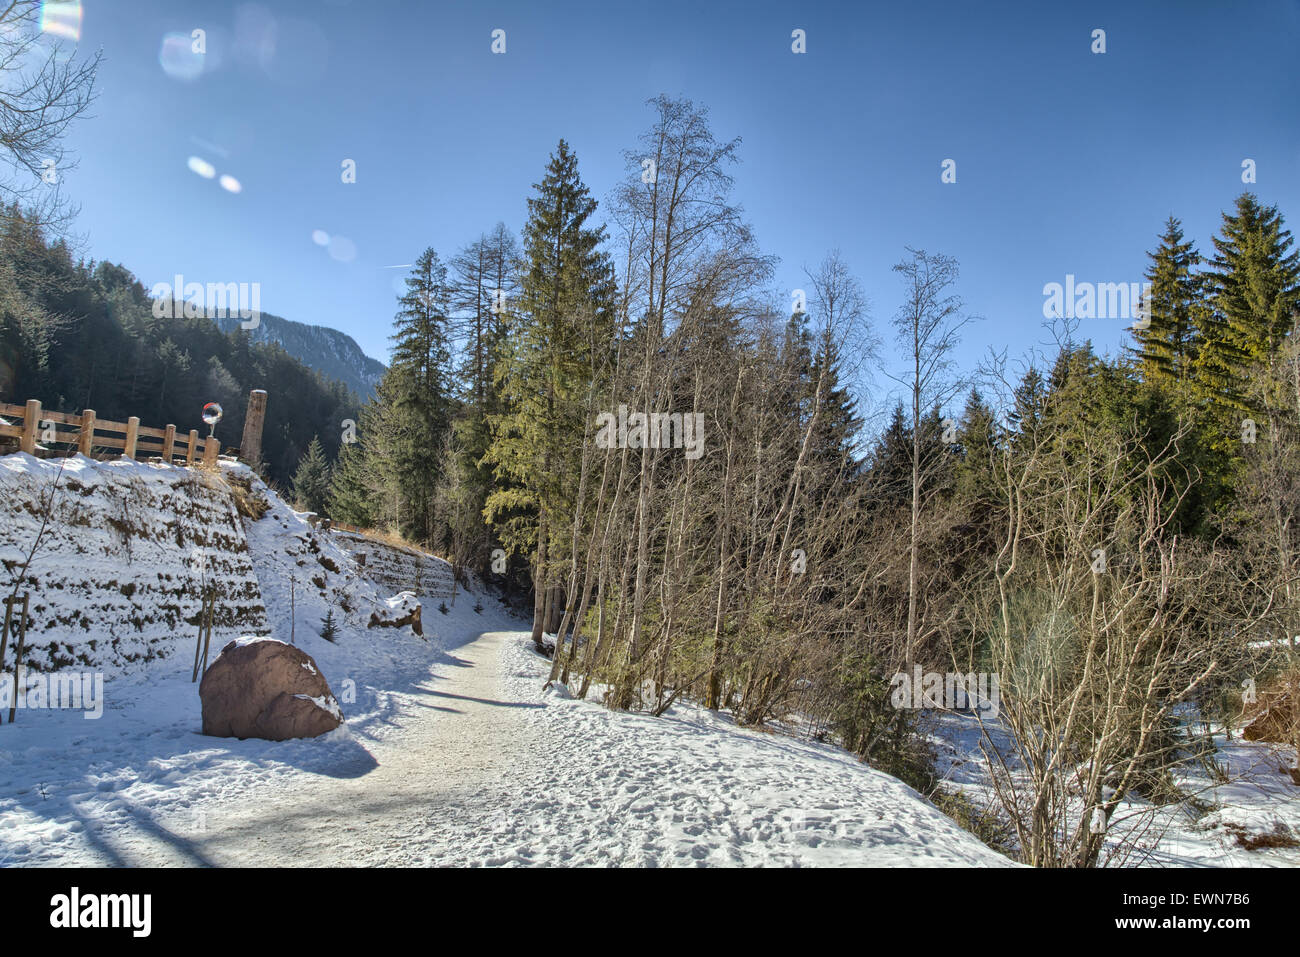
[[457, 743], [463, 760], [451, 752]]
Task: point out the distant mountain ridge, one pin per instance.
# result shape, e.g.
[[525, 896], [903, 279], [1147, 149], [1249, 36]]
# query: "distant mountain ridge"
[[333, 354]]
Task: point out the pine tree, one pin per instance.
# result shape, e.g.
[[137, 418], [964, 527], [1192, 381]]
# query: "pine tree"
[[485, 283], [413, 404], [977, 438], [1166, 347], [351, 492], [1029, 402], [329, 629], [1255, 285], [835, 441], [559, 333], [311, 481], [890, 463]]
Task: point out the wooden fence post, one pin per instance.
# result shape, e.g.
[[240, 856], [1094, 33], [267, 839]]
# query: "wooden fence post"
[[169, 443], [30, 423], [210, 448], [193, 446], [86, 440], [250, 448], [132, 434]]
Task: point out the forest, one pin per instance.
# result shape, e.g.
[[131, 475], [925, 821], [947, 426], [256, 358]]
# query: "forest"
[[615, 417], [1111, 535], [83, 335]]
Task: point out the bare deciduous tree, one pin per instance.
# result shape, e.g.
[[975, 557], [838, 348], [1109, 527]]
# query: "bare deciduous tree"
[[44, 87]]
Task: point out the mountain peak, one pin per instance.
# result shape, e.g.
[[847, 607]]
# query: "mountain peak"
[[333, 354]]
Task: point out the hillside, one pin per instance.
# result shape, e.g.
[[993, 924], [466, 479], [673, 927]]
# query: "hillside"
[[117, 577], [333, 354], [79, 335]]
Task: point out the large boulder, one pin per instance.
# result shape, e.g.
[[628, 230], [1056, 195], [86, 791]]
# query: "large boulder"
[[263, 688]]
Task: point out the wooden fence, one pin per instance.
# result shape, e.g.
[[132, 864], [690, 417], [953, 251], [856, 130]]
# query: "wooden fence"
[[39, 430]]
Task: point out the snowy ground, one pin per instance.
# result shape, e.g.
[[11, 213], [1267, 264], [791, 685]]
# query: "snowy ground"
[[451, 755], [1249, 800]]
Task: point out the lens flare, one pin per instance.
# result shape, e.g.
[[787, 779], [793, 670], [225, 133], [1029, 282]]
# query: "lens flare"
[[229, 183], [62, 19], [202, 167], [178, 58], [342, 249], [320, 237]]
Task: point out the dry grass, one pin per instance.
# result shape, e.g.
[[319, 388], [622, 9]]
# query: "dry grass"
[[1280, 836], [248, 503], [391, 539]]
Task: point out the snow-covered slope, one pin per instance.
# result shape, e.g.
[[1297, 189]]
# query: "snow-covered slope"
[[305, 572], [120, 570], [451, 752], [130, 547], [395, 568]]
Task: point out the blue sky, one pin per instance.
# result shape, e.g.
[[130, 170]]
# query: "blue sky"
[[1067, 161]]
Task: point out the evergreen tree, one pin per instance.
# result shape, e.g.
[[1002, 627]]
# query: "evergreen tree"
[[1255, 285], [485, 283], [410, 425], [311, 480], [889, 471], [977, 442], [559, 333], [1166, 347], [351, 491], [1029, 402]]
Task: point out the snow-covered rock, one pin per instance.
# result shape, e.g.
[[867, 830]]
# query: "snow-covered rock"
[[266, 689]]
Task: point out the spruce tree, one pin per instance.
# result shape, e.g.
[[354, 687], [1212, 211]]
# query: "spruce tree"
[[559, 333], [1166, 346], [977, 438], [890, 464], [351, 491], [837, 434], [414, 404], [311, 480], [1029, 400], [1255, 285]]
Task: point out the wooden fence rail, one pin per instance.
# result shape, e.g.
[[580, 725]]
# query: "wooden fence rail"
[[37, 429]]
